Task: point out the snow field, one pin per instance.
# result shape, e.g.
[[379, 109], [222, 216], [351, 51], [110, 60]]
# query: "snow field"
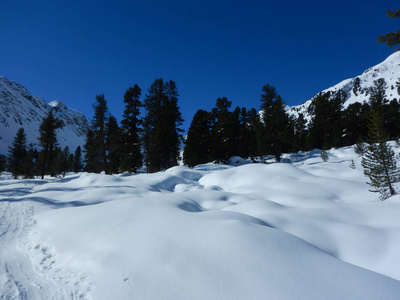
[[306, 230]]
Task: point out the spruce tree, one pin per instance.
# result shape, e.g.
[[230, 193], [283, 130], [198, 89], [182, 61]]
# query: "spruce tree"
[[379, 161], [198, 142], [48, 142], [92, 154], [221, 131], [113, 146], [99, 122], [161, 126], [77, 164], [278, 132], [17, 154], [131, 152]]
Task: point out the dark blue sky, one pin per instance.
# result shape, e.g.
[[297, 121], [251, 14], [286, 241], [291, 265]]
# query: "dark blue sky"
[[72, 50]]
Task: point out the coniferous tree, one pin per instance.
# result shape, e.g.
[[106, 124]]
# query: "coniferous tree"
[[132, 156], [17, 153], [357, 86], [113, 146], [99, 122], [255, 131], [379, 162], [161, 131], [31, 162], [391, 39], [300, 133], [360, 147], [3, 162], [278, 131], [221, 132], [355, 123], [48, 142], [198, 142], [77, 164], [326, 125], [92, 155]]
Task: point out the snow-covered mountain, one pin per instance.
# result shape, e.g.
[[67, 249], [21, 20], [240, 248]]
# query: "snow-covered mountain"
[[389, 70], [18, 108]]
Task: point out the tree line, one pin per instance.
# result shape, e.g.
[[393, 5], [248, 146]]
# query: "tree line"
[[24, 160], [221, 133]]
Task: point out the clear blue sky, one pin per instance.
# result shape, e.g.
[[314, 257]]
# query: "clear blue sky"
[[73, 50]]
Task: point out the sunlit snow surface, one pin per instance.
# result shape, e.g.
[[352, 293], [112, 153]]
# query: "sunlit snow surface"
[[305, 230]]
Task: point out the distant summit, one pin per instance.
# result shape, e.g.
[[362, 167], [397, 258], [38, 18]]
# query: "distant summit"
[[18, 108], [357, 89]]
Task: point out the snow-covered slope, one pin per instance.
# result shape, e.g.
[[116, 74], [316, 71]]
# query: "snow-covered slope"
[[18, 108], [307, 230], [389, 70]]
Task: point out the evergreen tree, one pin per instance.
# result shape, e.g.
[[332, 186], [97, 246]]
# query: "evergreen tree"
[[379, 162], [132, 156], [77, 164], [48, 142], [198, 142], [378, 95], [352, 165], [391, 39], [300, 133], [360, 147], [161, 131], [357, 86], [355, 123], [326, 126], [113, 146], [221, 130], [17, 154], [278, 132], [99, 122], [255, 131], [92, 155], [3, 163], [324, 155]]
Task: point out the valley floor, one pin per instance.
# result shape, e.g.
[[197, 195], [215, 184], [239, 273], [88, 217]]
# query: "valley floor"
[[305, 230]]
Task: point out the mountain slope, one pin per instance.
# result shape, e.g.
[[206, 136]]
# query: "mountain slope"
[[18, 108], [389, 70]]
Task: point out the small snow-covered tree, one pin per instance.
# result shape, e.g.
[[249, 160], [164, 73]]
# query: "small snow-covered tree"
[[379, 161]]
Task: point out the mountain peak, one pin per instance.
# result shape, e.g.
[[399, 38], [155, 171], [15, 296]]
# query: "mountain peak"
[[18, 108], [389, 70]]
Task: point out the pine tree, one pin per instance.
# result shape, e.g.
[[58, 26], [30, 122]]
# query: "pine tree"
[[132, 156], [221, 130], [99, 122], [17, 153], [379, 162], [48, 142], [352, 165], [324, 155], [161, 126], [278, 132], [113, 146], [92, 155], [360, 147], [3, 163], [391, 39], [198, 142], [326, 125], [77, 164]]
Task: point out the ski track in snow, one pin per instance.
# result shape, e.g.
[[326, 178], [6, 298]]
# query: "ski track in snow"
[[29, 271]]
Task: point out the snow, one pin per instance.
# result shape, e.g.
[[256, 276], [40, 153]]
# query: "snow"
[[18, 108], [389, 70], [305, 230]]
